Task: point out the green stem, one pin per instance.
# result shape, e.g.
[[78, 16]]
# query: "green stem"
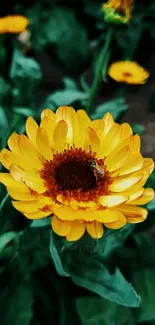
[[101, 69]]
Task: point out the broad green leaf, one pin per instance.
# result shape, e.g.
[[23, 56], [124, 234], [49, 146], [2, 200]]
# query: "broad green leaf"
[[46, 222], [97, 311], [3, 122], [144, 283], [24, 68], [26, 74], [25, 111], [62, 29], [64, 97], [17, 302], [5, 92], [94, 276], [69, 83], [138, 128], [112, 240], [57, 259], [7, 239], [116, 107], [151, 205]]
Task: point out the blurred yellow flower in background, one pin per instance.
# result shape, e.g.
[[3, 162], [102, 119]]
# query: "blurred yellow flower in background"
[[114, 7], [13, 24], [129, 72], [88, 174]]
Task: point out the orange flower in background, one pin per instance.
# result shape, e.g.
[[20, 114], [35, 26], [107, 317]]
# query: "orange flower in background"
[[87, 174], [128, 72], [120, 6], [13, 24]]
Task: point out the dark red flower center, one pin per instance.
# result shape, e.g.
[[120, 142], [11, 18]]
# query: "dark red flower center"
[[71, 174]]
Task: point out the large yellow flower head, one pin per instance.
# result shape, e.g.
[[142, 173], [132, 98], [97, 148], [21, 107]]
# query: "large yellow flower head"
[[13, 24], [118, 10], [129, 72], [87, 174]]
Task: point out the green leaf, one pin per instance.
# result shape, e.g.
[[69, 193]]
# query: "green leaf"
[[144, 282], [69, 37], [138, 128], [56, 259], [116, 107], [69, 83], [151, 205], [26, 74], [64, 97], [46, 222], [112, 240], [24, 111], [7, 239], [97, 311], [94, 276], [5, 92], [18, 301], [3, 122]]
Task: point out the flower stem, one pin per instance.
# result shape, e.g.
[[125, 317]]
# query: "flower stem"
[[100, 69]]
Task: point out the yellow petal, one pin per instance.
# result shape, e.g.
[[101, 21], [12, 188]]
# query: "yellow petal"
[[123, 183], [112, 200], [8, 158], [48, 124], [68, 114], [13, 143], [132, 165], [31, 129], [141, 183], [83, 122], [108, 123], [98, 127], [61, 228], [31, 180], [147, 196], [111, 140], [30, 152], [148, 165], [126, 130], [43, 143], [133, 214], [91, 140], [48, 113], [67, 213], [37, 215], [115, 161], [133, 194], [7, 180], [121, 222], [60, 134], [24, 194], [28, 206], [95, 229], [77, 231], [136, 143]]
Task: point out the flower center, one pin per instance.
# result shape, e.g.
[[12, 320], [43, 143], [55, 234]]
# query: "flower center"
[[73, 173], [127, 74]]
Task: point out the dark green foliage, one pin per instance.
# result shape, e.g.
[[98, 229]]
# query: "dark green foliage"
[[44, 279]]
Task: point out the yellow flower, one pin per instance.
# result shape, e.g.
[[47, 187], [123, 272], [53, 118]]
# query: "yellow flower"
[[119, 6], [13, 24], [87, 174], [128, 72]]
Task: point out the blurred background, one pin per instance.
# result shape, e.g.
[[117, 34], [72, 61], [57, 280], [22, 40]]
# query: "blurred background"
[[52, 62]]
